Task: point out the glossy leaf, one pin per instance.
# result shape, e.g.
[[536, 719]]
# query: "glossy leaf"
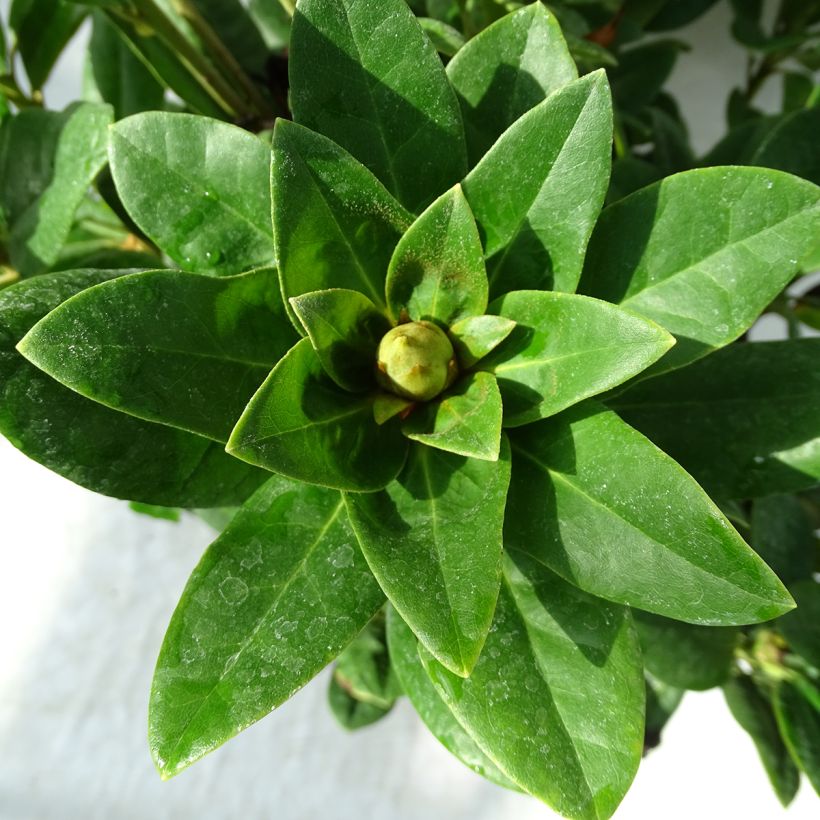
[[431, 708], [336, 226], [197, 187], [47, 162], [466, 421], [506, 70], [301, 424], [537, 192], [745, 421], [704, 252], [801, 628], [274, 599], [105, 451], [345, 328], [552, 651], [783, 536], [42, 29], [595, 501], [475, 337], [433, 541], [188, 351], [120, 76], [799, 722], [565, 348], [686, 656], [446, 39], [754, 714], [366, 76], [437, 270]]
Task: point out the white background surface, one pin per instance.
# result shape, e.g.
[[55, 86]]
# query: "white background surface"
[[87, 588]]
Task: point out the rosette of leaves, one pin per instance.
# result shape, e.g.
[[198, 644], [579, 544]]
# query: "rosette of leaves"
[[429, 354]]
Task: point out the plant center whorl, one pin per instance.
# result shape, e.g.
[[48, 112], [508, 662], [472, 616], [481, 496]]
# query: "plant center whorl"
[[416, 361]]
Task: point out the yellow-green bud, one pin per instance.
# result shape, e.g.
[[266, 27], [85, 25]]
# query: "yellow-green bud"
[[416, 360]]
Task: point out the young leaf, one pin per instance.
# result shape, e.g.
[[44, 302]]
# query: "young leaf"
[[47, 162], [703, 252], [754, 714], [801, 628], [335, 224], [475, 337], [552, 651], [428, 703], [345, 328], [165, 346], [437, 271], [301, 424], [782, 534], [105, 451], [352, 713], [745, 422], [507, 69], [43, 29], [274, 599], [366, 76], [197, 187], [566, 348], [120, 76], [599, 504], [799, 722], [466, 420], [433, 541], [538, 190], [686, 656]]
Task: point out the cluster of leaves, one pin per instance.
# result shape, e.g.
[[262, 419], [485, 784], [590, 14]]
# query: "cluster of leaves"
[[544, 550]]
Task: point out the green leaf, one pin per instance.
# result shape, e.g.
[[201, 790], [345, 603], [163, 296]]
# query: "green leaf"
[[366, 76], [473, 338], [197, 187], [565, 348], [301, 424], [538, 190], [120, 76], [351, 713], [47, 162], [466, 421], [661, 702], [552, 652], [686, 656], [505, 71], [745, 421], [431, 708], [364, 669], [388, 405], [790, 146], [599, 504], [799, 722], [237, 30], [446, 39], [43, 29], [274, 599], [419, 537], [704, 252], [754, 714], [188, 351], [98, 448], [437, 270], [155, 511], [335, 224], [641, 73], [345, 329], [801, 628], [783, 536]]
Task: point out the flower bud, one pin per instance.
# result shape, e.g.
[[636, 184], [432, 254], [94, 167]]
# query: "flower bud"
[[416, 360]]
